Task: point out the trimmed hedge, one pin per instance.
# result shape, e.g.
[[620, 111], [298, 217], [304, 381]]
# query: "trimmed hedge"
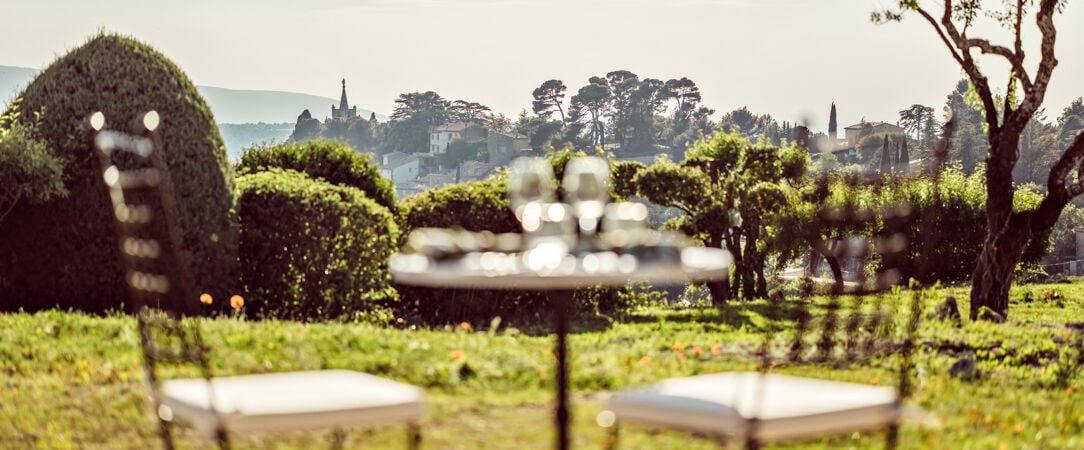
[[63, 253], [311, 249], [331, 161], [474, 206]]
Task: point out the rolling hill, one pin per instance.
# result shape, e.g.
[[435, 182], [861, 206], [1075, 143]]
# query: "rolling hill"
[[228, 105], [245, 117]]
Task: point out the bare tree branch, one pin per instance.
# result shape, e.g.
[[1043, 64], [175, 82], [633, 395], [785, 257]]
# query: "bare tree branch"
[[1018, 43], [967, 62], [1015, 59], [1033, 97], [1059, 174], [941, 33]]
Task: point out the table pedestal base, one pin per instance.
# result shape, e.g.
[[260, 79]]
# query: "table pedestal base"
[[561, 302]]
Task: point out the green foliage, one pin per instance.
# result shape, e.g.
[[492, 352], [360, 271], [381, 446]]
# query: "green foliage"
[[412, 118], [474, 206], [460, 151], [330, 161], [730, 190], [30, 172], [870, 149], [1063, 236], [63, 252], [483, 206], [311, 249], [621, 175], [1026, 396], [956, 212], [669, 184]]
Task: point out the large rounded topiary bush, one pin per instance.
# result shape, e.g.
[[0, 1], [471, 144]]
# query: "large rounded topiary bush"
[[311, 249], [63, 253], [331, 161]]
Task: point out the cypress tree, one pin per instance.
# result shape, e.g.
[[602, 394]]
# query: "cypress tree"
[[832, 121], [905, 158], [886, 160]]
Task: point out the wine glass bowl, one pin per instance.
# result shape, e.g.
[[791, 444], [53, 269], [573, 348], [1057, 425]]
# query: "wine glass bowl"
[[587, 189]]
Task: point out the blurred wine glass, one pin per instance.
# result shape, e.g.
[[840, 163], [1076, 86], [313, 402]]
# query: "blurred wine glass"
[[530, 188], [587, 189]]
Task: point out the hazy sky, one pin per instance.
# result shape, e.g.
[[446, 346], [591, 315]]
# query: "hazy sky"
[[790, 58]]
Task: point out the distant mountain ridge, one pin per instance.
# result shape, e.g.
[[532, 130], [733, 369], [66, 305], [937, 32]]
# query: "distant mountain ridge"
[[228, 105]]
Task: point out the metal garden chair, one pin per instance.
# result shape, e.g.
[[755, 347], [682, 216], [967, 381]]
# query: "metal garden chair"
[[761, 406], [162, 295]]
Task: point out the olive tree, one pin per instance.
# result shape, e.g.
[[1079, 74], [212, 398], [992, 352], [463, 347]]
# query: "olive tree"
[[731, 193], [1008, 231]]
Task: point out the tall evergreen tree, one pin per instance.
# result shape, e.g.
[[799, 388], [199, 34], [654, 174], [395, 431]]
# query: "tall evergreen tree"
[[832, 127], [905, 158], [886, 159]]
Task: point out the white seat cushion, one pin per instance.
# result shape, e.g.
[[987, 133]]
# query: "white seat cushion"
[[291, 401], [791, 407]]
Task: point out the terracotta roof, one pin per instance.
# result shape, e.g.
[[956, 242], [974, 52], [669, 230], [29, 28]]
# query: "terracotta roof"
[[859, 126], [453, 127], [397, 159], [475, 170]]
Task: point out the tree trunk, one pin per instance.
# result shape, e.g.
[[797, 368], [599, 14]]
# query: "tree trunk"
[[1005, 235], [762, 281], [829, 256], [733, 245], [992, 277], [719, 290], [749, 262]]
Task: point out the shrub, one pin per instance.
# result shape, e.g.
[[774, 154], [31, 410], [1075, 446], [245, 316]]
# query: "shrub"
[[311, 249], [63, 252], [331, 161], [30, 172], [474, 206]]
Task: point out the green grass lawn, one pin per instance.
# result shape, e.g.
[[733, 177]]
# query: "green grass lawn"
[[68, 380]]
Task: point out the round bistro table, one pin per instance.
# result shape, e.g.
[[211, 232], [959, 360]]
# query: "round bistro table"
[[558, 277]]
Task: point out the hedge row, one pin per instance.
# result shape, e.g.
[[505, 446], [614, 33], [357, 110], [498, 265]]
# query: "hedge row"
[[330, 161], [310, 249]]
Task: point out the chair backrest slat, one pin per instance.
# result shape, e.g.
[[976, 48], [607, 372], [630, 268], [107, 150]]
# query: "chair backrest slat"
[[159, 285], [857, 323]]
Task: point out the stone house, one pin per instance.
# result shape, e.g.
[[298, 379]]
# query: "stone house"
[[503, 147], [400, 167], [440, 136], [854, 132]]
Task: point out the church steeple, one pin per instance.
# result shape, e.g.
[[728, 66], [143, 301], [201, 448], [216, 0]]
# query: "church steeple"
[[344, 111], [343, 104]]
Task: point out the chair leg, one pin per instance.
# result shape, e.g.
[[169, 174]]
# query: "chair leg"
[[223, 438], [892, 436], [166, 433], [612, 436], [338, 438], [414, 436]]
